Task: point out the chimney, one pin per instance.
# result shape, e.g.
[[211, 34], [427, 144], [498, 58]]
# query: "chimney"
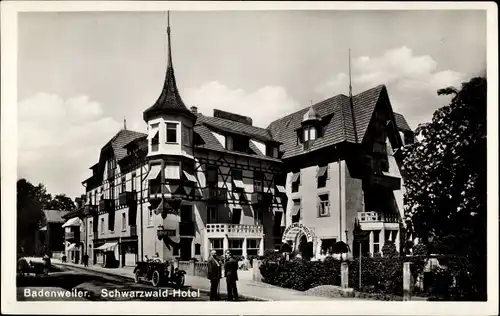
[[194, 109], [78, 201]]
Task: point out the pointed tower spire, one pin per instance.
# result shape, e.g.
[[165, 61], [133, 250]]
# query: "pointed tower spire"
[[169, 101], [351, 102]]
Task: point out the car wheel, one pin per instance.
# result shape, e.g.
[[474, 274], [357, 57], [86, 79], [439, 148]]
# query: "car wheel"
[[137, 276], [155, 278]]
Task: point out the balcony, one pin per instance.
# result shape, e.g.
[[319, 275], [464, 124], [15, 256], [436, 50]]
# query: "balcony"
[[215, 194], [186, 228], [106, 205], [69, 235], [261, 198], [386, 181], [234, 230], [90, 209], [133, 231], [127, 198], [373, 217]]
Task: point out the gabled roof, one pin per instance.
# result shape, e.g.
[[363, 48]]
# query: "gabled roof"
[[122, 138], [54, 216], [401, 123], [339, 129], [74, 213]]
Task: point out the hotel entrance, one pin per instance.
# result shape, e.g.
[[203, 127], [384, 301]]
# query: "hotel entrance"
[[185, 249]]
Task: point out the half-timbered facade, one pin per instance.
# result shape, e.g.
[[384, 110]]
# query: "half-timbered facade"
[[196, 182]]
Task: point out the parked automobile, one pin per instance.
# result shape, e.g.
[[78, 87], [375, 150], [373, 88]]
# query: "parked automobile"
[[25, 267], [158, 273]]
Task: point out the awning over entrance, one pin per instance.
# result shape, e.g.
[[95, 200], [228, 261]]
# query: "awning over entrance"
[[153, 172], [238, 183], [295, 177], [43, 228], [189, 176], [75, 221], [109, 246], [71, 247]]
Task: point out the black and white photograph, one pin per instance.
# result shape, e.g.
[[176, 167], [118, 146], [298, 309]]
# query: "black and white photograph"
[[249, 156]]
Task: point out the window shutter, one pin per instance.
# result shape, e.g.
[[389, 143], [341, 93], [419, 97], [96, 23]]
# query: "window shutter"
[[318, 206]]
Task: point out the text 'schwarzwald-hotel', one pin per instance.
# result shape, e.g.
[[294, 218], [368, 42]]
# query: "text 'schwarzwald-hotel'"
[[198, 181]]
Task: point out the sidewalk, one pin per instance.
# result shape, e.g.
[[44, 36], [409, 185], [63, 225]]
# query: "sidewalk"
[[246, 288]]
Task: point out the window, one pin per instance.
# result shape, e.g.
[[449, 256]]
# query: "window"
[[171, 132], [95, 197], [172, 171], [309, 133], [212, 215], [258, 217], [102, 225], [212, 177], [89, 229], [296, 210], [236, 246], [322, 176], [236, 218], [237, 177], [323, 205], [133, 181], [150, 216], [257, 181], [217, 245], [197, 249], [327, 244], [124, 184], [186, 136], [391, 235], [155, 139], [376, 241], [272, 151], [111, 190], [253, 246], [295, 182], [124, 222], [239, 143], [186, 213]]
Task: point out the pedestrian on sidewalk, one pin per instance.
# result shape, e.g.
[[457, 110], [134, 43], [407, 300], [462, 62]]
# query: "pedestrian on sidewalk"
[[214, 275], [85, 260], [231, 274]]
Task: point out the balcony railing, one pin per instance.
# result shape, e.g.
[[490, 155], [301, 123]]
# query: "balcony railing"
[[69, 235], [371, 217], [186, 228], [215, 194], [235, 230], [126, 198], [106, 205]]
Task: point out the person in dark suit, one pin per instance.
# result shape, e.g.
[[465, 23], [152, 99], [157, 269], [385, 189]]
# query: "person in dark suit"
[[214, 275], [231, 274]]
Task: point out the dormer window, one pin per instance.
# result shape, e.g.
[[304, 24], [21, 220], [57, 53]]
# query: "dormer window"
[[171, 132], [272, 151]]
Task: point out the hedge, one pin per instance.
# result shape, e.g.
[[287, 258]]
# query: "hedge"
[[381, 275]]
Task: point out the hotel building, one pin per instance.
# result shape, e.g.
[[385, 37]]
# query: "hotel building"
[[195, 182]]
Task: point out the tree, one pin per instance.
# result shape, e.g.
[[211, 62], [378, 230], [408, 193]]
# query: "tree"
[[61, 202], [445, 178], [30, 202]]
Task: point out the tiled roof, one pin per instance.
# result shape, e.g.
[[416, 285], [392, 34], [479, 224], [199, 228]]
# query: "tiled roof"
[[122, 138], [74, 213], [54, 216], [339, 129], [234, 127], [401, 122]]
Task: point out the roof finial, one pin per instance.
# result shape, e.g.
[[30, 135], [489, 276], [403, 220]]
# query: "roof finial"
[[350, 86], [168, 37], [124, 123]]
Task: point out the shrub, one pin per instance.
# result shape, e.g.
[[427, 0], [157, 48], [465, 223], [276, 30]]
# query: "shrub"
[[285, 247], [389, 250]]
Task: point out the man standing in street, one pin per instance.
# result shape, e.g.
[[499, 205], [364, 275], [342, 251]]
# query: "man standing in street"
[[214, 275], [231, 274]]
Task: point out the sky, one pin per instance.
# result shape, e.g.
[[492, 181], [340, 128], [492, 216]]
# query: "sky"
[[81, 74]]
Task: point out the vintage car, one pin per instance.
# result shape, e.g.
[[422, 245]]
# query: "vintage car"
[[27, 266], [158, 273]]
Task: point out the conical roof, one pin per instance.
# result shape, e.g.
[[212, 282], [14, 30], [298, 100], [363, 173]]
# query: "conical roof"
[[169, 100], [310, 115]]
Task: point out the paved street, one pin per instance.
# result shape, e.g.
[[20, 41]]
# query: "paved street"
[[73, 284]]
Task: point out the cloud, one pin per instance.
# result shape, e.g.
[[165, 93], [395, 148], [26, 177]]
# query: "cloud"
[[59, 139], [412, 82], [263, 106]]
